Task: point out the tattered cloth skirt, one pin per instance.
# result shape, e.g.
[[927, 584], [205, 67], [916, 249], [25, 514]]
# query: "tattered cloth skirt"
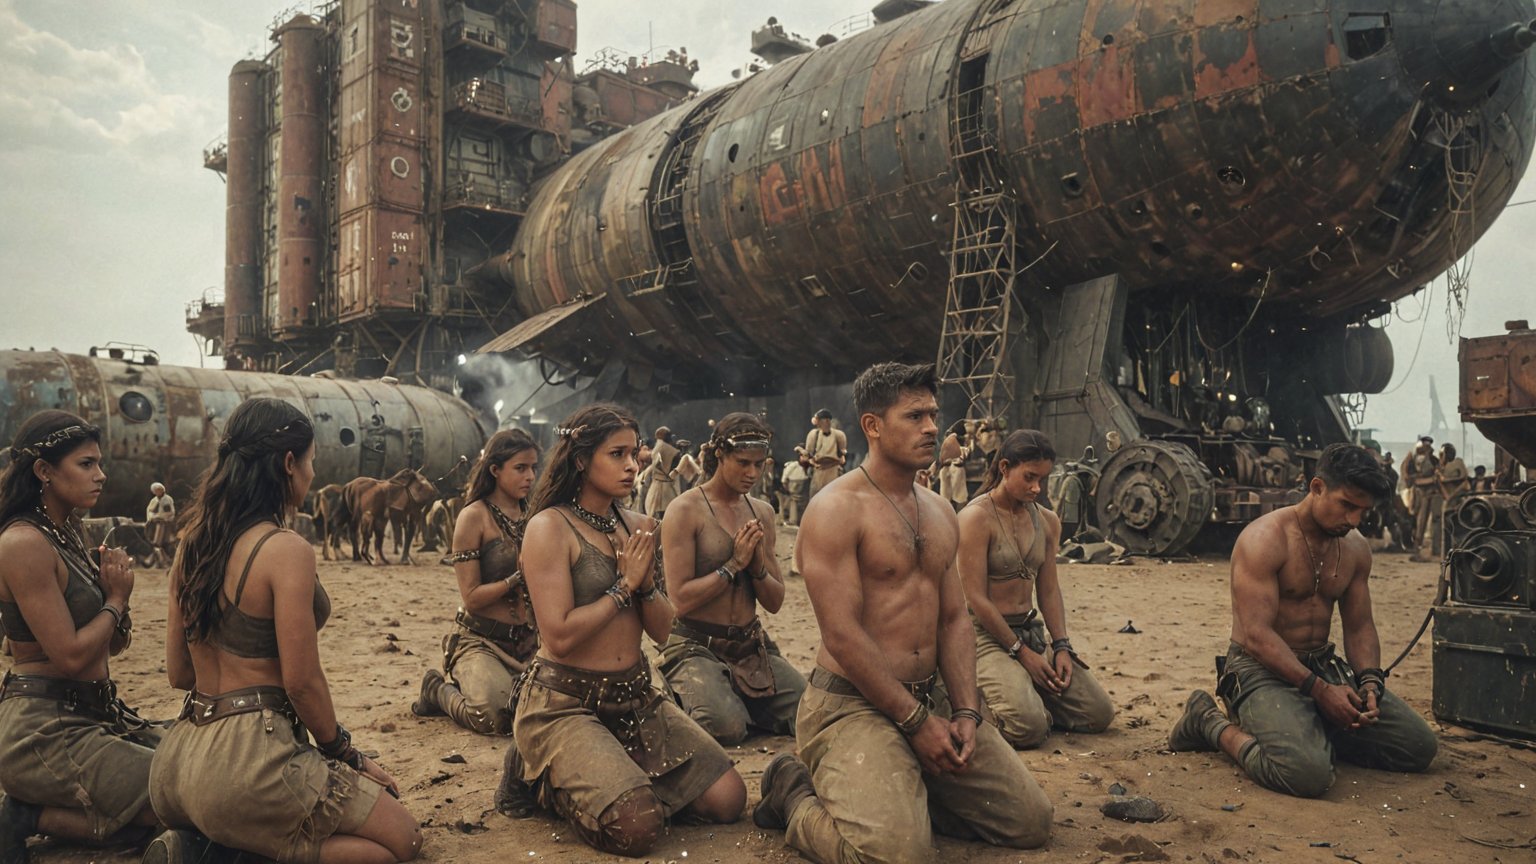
[[593, 736], [252, 781]]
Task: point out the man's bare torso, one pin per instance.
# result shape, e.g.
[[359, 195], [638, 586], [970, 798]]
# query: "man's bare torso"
[[900, 592], [1305, 616]]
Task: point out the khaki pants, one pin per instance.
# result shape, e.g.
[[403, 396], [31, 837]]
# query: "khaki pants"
[[1025, 714], [1428, 507], [54, 757], [820, 477], [478, 691], [702, 684], [1294, 745], [873, 803], [253, 782]]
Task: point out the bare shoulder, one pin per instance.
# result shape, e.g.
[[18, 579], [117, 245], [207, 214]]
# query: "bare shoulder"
[[288, 553], [473, 513], [1264, 536], [24, 551], [1359, 551], [836, 507], [23, 538], [759, 507], [1052, 522], [641, 522]]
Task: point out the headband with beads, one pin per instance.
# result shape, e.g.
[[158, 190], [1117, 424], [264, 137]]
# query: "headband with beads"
[[54, 439]]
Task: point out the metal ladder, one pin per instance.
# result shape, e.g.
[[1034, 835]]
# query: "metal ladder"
[[978, 307]]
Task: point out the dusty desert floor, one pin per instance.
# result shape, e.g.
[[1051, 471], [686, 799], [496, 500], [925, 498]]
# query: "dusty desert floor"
[[1476, 804]]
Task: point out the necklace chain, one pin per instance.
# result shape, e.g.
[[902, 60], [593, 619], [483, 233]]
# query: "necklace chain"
[[67, 540], [917, 534], [1317, 566], [605, 524], [513, 531]]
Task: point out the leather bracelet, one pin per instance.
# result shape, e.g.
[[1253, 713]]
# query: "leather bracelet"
[[648, 596], [340, 748], [619, 594], [1013, 650], [1062, 645], [966, 712], [117, 615], [726, 573], [1367, 674], [1308, 684], [914, 721]]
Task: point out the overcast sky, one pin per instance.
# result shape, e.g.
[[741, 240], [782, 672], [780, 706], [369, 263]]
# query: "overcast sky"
[[111, 225]]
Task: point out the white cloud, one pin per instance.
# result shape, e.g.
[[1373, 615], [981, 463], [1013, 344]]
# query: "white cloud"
[[58, 96]]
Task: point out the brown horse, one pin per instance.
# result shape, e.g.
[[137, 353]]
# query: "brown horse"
[[332, 518], [374, 504]]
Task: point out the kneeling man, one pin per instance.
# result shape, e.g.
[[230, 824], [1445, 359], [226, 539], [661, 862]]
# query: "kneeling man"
[[1293, 703], [891, 752]]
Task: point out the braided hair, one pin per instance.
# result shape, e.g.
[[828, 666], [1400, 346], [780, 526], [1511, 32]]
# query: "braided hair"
[[247, 485]]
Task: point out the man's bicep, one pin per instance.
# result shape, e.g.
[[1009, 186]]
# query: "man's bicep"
[[829, 562], [1355, 603], [1255, 583]]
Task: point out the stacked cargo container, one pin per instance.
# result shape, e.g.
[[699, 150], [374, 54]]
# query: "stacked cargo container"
[[376, 157]]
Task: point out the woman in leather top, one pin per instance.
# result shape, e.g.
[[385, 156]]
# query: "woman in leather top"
[[724, 669], [1007, 563], [596, 743], [495, 634], [74, 761], [245, 608]]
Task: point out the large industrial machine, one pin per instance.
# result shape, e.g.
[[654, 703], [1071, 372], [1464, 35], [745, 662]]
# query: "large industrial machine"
[[163, 423], [1485, 628], [1164, 228]]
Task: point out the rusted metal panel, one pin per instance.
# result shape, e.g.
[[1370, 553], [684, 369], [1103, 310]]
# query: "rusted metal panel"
[[380, 262], [1297, 45], [1167, 16], [1485, 668], [301, 219], [1225, 12], [243, 199], [555, 87], [1225, 60], [552, 24], [623, 101], [1106, 86], [1164, 70]]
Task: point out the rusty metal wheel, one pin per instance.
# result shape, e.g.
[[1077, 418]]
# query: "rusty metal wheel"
[[1154, 497]]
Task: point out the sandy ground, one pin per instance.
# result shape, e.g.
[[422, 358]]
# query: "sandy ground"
[[389, 622]]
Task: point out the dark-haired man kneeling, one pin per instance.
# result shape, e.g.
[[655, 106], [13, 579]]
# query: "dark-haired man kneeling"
[[890, 729], [1294, 701]]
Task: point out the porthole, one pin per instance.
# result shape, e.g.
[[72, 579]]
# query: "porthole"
[[348, 436], [136, 407]]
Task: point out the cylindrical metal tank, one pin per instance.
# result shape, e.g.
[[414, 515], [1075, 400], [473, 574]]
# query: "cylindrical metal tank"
[[300, 217], [1234, 149], [242, 213], [163, 423]]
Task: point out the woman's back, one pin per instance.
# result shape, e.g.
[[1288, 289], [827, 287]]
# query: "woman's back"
[[280, 604]]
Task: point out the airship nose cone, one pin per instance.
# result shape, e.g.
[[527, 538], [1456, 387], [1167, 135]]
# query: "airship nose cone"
[[1460, 50]]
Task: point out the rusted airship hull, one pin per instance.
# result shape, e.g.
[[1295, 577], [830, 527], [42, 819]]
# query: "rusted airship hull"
[[1322, 155], [163, 423]]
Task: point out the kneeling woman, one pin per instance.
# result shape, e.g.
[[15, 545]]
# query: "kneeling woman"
[[245, 608], [601, 746], [1007, 561], [718, 541], [74, 762], [495, 636]]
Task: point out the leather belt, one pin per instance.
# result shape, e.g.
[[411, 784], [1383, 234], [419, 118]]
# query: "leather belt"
[[837, 685], [703, 631], [490, 628], [593, 688], [202, 710], [82, 697]]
